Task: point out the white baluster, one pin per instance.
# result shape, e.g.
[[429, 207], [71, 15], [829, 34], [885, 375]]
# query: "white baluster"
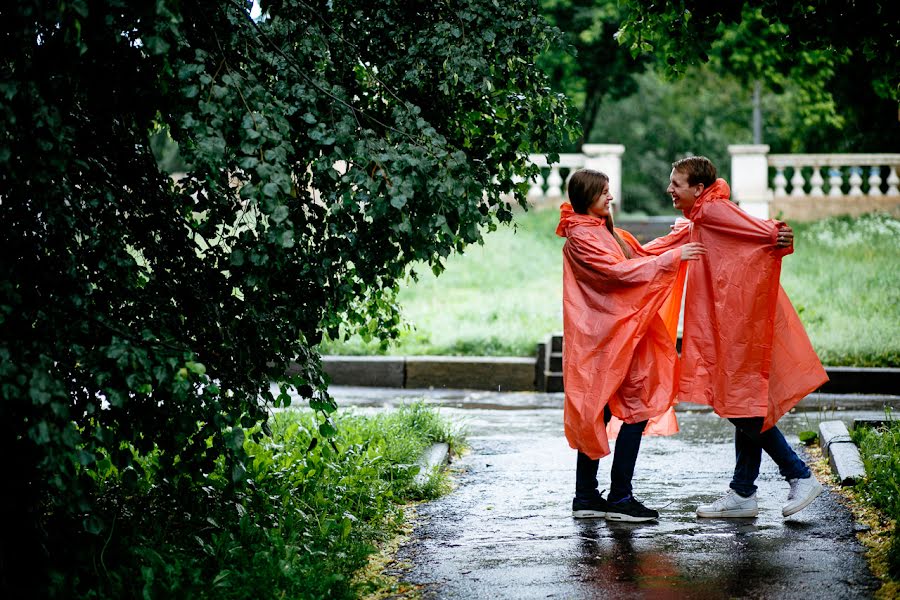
[[797, 183], [536, 191], [568, 179], [892, 181], [875, 181], [855, 182], [835, 181], [554, 183], [780, 182], [816, 181]]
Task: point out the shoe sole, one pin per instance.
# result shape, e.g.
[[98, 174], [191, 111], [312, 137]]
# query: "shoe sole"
[[588, 514], [729, 514], [804, 504], [610, 516]]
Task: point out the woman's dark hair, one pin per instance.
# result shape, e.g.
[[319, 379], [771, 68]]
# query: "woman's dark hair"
[[584, 187]]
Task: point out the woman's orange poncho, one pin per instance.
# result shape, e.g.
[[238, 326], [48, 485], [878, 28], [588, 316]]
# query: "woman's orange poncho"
[[744, 349], [617, 350]]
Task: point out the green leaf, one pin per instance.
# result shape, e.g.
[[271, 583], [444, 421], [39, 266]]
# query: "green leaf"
[[195, 367], [238, 473], [280, 213], [92, 524], [235, 440]]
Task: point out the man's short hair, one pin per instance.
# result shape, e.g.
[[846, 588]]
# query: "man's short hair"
[[698, 169]]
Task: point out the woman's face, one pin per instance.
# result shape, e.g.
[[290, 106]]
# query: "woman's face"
[[600, 206]]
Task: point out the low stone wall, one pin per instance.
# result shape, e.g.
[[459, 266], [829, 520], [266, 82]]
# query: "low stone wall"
[[505, 374], [811, 208]]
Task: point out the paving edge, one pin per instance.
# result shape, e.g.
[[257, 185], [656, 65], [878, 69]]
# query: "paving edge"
[[843, 455]]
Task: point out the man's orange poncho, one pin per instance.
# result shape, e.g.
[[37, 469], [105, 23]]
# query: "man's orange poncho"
[[617, 349], [744, 349]]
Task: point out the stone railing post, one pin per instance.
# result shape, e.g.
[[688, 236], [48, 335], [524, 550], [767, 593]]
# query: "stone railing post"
[[607, 158], [750, 178]]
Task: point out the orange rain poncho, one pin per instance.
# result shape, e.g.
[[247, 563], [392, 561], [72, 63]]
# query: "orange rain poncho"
[[744, 349], [617, 349]]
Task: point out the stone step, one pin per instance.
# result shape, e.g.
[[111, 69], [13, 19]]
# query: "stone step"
[[555, 362], [553, 382], [556, 342]]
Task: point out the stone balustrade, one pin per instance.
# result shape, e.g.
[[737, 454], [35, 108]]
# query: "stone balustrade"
[[549, 187], [813, 186]]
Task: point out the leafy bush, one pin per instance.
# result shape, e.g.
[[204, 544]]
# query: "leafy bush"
[[308, 518], [327, 147]]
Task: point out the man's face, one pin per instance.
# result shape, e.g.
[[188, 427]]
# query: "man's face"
[[683, 194]]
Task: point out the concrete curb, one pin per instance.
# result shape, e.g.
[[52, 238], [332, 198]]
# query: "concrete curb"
[[843, 455], [435, 456]]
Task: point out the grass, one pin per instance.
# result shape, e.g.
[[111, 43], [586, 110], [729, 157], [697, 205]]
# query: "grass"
[[844, 280], [498, 299], [304, 526], [880, 450], [501, 298]]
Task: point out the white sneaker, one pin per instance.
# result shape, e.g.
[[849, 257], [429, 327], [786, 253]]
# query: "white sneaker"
[[803, 492], [730, 505]]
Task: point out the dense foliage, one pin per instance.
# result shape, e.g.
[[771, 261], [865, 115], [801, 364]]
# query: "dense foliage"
[[144, 316], [816, 96], [685, 33], [592, 69]]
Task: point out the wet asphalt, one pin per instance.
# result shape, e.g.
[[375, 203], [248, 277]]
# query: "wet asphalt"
[[506, 531]]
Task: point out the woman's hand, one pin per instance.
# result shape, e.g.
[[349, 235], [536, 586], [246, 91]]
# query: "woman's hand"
[[692, 251]]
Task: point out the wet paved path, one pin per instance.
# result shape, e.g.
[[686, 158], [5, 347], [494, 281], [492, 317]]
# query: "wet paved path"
[[507, 532]]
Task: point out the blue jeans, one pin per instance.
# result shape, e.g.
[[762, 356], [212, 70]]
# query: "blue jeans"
[[628, 443], [748, 446]]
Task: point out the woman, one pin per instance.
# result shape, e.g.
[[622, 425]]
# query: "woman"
[[619, 356]]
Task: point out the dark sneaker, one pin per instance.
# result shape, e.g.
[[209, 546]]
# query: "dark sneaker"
[[591, 509], [629, 510]]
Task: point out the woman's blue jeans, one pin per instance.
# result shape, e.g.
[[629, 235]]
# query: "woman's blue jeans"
[[748, 446], [628, 444]]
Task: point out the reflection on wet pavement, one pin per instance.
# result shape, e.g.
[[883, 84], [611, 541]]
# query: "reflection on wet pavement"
[[507, 531]]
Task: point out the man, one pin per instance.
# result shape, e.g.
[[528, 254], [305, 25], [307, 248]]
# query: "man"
[[744, 349]]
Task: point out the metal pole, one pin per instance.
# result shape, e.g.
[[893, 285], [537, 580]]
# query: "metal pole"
[[757, 113]]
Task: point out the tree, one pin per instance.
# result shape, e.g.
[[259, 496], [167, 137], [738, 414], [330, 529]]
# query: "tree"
[[685, 32], [330, 146], [593, 68]]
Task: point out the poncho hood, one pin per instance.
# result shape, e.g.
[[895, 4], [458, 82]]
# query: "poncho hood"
[[719, 190], [568, 218]]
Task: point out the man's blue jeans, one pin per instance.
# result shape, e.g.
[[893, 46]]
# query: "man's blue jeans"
[[628, 444], [748, 446]]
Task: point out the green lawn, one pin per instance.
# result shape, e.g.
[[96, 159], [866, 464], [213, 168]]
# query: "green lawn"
[[505, 296]]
